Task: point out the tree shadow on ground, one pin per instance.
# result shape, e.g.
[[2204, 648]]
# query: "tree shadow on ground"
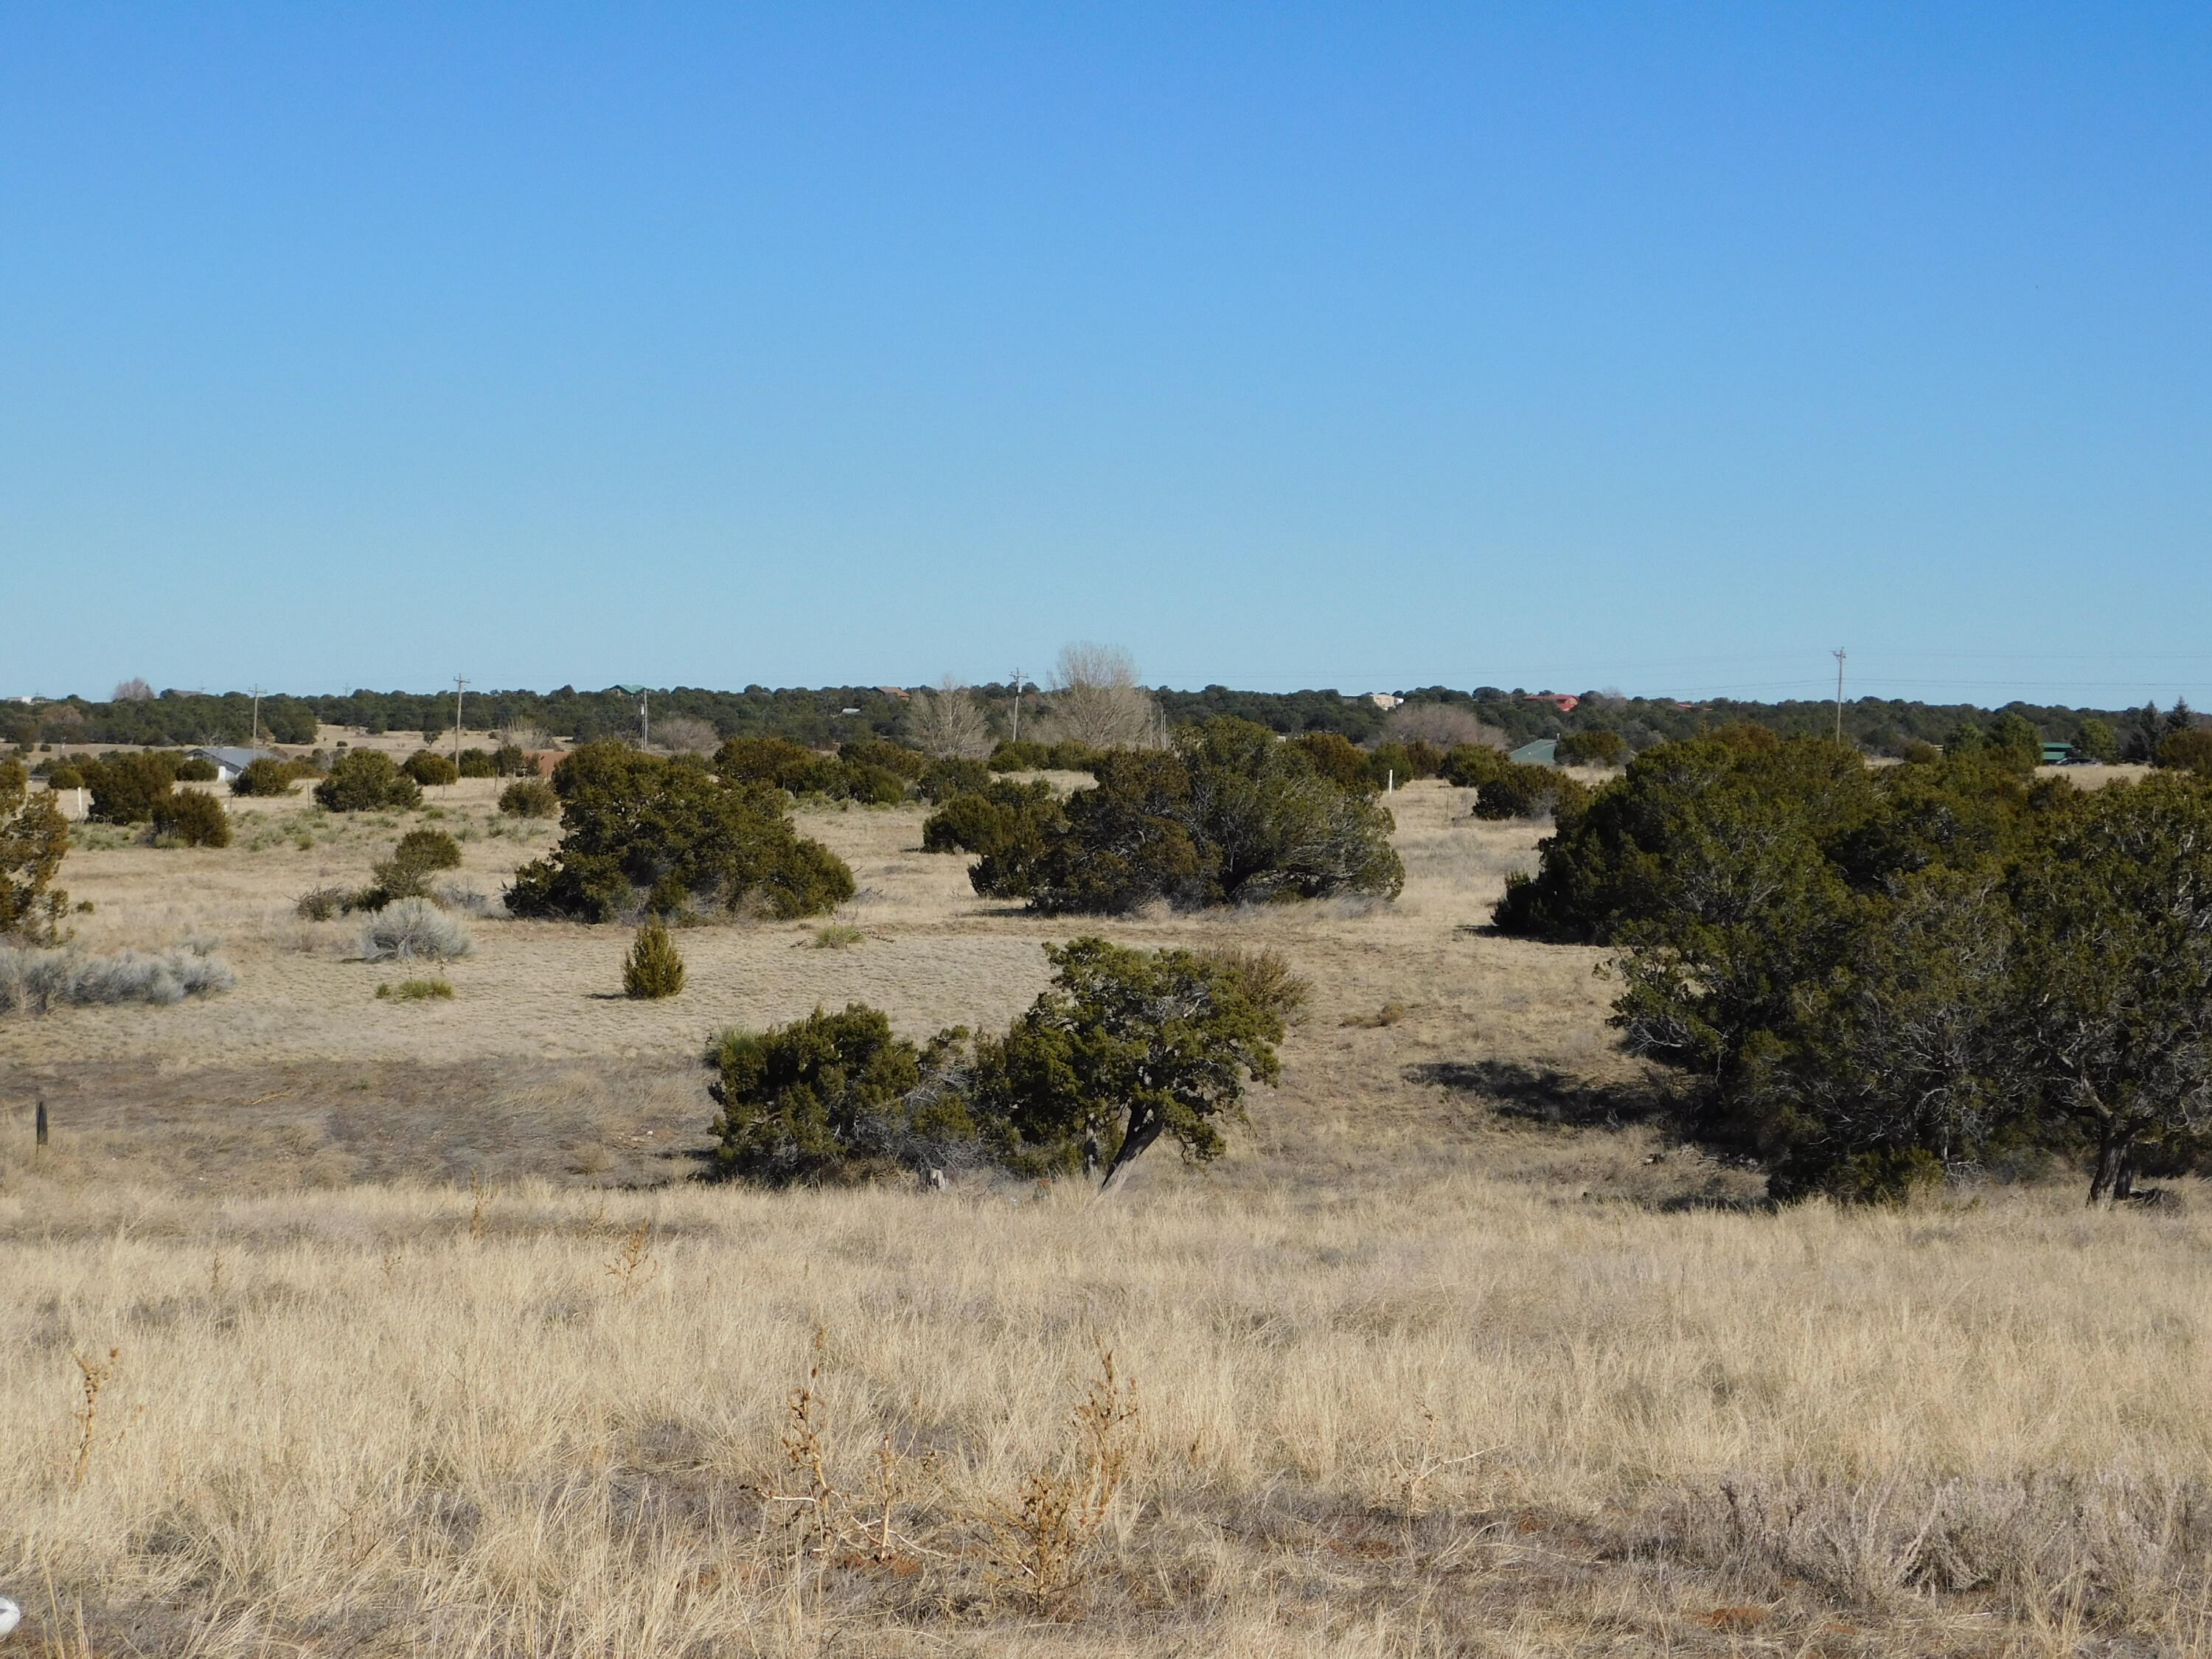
[[1545, 1096]]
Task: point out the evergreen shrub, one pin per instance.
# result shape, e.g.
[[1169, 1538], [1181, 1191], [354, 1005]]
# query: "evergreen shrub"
[[366, 780], [193, 818], [529, 798], [654, 968], [430, 768]]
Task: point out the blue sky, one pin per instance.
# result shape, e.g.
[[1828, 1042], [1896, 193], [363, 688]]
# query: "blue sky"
[[1663, 348]]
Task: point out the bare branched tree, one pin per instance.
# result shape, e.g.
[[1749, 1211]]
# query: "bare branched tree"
[[133, 690], [1096, 701], [1443, 724], [523, 735], [946, 720], [686, 734]]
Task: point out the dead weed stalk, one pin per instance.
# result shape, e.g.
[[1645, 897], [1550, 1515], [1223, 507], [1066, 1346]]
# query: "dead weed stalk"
[[1043, 1543]]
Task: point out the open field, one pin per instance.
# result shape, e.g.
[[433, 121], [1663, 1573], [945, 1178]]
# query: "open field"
[[1453, 1353]]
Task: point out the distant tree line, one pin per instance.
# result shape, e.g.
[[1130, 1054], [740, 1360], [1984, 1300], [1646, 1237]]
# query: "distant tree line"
[[983, 715]]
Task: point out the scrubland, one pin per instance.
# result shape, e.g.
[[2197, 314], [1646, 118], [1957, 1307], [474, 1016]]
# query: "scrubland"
[[339, 1325]]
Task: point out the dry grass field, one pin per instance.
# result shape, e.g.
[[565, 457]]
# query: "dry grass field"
[[335, 1325]]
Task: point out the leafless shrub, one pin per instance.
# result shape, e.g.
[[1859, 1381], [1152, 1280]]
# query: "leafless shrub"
[[1443, 724], [945, 721], [1096, 701], [685, 734], [132, 690], [1044, 1540], [525, 735]]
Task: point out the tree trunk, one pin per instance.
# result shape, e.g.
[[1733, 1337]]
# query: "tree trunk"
[[2114, 1175], [1141, 1135]]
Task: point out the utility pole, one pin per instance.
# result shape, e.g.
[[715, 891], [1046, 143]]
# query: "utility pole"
[[257, 717], [1840, 694], [1017, 705], [644, 721], [459, 686]]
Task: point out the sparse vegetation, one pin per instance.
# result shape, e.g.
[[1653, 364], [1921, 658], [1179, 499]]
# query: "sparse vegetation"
[[837, 936], [1779, 1422]]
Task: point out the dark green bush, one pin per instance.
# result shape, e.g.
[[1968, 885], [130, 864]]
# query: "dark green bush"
[[952, 776], [509, 762], [871, 786], [1025, 756], [65, 775], [816, 1099], [189, 817], [897, 759], [1230, 815], [654, 968], [2096, 741], [126, 788], [1128, 1047], [197, 769], [34, 838], [430, 768], [1470, 765], [2187, 751], [1008, 822], [1337, 758], [789, 766], [1593, 746], [1404, 762], [661, 832], [366, 780], [529, 798], [406, 874], [478, 763], [1515, 791], [266, 775]]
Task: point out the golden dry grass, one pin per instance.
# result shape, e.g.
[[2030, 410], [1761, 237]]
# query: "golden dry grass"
[[1448, 1355]]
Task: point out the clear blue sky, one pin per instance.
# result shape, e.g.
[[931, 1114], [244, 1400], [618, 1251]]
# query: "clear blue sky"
[[1661, 347]]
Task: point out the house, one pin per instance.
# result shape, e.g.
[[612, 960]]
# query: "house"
[[1558, 700], [1544, 751], [1382, 700], [2057, 754], [898, 691], [229, 762]]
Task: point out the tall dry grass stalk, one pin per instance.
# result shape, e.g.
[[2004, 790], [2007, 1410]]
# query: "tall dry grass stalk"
[[1458, 1415]]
